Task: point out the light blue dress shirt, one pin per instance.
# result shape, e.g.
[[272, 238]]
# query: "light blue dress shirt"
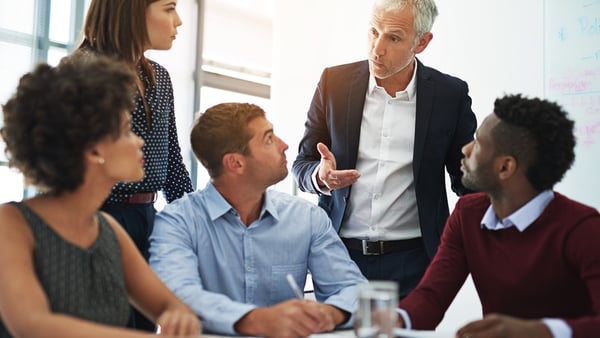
[[223, 269]]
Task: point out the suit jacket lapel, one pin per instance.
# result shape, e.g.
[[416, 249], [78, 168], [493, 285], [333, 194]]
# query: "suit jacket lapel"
[[425, 97], [357, 91]]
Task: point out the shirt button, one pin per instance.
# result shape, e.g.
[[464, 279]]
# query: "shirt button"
[[248, 269]]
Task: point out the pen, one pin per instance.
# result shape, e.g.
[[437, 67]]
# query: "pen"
[[294, 286]]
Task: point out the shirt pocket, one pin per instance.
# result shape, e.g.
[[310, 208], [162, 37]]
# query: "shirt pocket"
[[280, 288]]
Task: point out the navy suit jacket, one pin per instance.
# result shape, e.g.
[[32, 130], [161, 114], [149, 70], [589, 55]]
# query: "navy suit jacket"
[[444, 123]]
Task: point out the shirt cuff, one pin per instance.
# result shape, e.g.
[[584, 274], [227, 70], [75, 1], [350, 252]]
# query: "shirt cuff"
[[405, 318], [224, 324], [324, 190], [558, 327]]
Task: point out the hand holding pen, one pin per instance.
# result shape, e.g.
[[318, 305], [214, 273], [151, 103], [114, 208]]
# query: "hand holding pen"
[[330, 317], [296, 317]]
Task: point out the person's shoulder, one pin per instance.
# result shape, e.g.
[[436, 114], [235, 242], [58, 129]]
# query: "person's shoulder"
[[284, 199], [295, 209], [347, 66], [571, 207], [9, 215], [155, 65], [343, 73], [287, 198], [187, 200], [9, 208], [474, 201], [112, 225], [159, 70], [183, 215], [433, 73]]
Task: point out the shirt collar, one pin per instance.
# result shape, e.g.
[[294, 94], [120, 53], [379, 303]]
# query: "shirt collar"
[[218, 206], [523, 217], [411, 89]]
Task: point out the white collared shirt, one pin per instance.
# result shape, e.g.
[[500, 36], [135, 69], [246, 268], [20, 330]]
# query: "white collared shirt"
[[383, 205], [523, 217]]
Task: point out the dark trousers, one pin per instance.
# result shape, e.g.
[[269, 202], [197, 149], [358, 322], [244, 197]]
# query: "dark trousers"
[[138, 221], [405, 267]]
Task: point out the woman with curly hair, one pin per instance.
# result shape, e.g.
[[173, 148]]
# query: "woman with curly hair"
[[68, 270]]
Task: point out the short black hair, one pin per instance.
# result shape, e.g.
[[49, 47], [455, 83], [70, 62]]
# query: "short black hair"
[[57, 113], [538, 134]]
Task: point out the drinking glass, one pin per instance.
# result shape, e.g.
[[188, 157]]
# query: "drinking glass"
[[376, 314]]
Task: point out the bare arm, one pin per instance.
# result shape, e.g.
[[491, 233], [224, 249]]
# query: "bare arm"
[[24, 306]]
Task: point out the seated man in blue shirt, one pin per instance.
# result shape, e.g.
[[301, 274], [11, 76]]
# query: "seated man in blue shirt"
[[226, 250]]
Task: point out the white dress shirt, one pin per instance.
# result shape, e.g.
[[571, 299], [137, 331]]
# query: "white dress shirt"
[[383, 205]]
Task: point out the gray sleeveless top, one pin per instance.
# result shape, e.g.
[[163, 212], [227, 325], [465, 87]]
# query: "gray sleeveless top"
[[84, 283]]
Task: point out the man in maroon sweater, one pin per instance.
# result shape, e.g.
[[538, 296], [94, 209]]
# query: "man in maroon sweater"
[[534, 254]]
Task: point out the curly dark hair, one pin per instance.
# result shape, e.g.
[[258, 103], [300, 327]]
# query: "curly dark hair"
[[57, 113], [223, 129], [538, 134]]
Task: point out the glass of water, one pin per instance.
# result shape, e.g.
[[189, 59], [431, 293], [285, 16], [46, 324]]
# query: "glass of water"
[[376, 314]]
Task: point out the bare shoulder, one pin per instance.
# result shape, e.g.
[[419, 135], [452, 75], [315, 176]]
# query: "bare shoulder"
[[114, 224], [9, 210], [15, 234], [122, 237], [12, 221]]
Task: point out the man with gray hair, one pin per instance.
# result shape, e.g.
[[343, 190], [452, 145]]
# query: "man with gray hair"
[[379, 135]]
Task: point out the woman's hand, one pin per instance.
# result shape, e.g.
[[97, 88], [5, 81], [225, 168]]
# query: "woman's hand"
[[179, 322]]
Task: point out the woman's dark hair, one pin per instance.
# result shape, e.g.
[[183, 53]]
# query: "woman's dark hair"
[[57, 113], [539, 134], [117, 28]]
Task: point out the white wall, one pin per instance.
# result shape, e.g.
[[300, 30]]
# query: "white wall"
[[496, 46]]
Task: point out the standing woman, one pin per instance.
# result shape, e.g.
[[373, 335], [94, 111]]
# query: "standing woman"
[[68, 270], [125, 30]]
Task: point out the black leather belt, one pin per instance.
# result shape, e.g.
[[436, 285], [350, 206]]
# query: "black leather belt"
[[141, 198], [382, 247]]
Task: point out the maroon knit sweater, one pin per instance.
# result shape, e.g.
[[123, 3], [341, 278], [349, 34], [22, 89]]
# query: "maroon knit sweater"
[[551, 270]]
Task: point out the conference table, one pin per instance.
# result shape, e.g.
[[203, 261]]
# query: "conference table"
[[335, 334], [399, 333]]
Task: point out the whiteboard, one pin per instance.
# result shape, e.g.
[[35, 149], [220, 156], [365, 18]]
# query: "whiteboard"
[[572, 79]]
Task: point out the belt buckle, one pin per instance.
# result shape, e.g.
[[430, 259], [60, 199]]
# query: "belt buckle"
[[372, 248]]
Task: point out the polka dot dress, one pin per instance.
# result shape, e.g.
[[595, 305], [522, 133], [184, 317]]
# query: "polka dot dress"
[[163, 161]]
